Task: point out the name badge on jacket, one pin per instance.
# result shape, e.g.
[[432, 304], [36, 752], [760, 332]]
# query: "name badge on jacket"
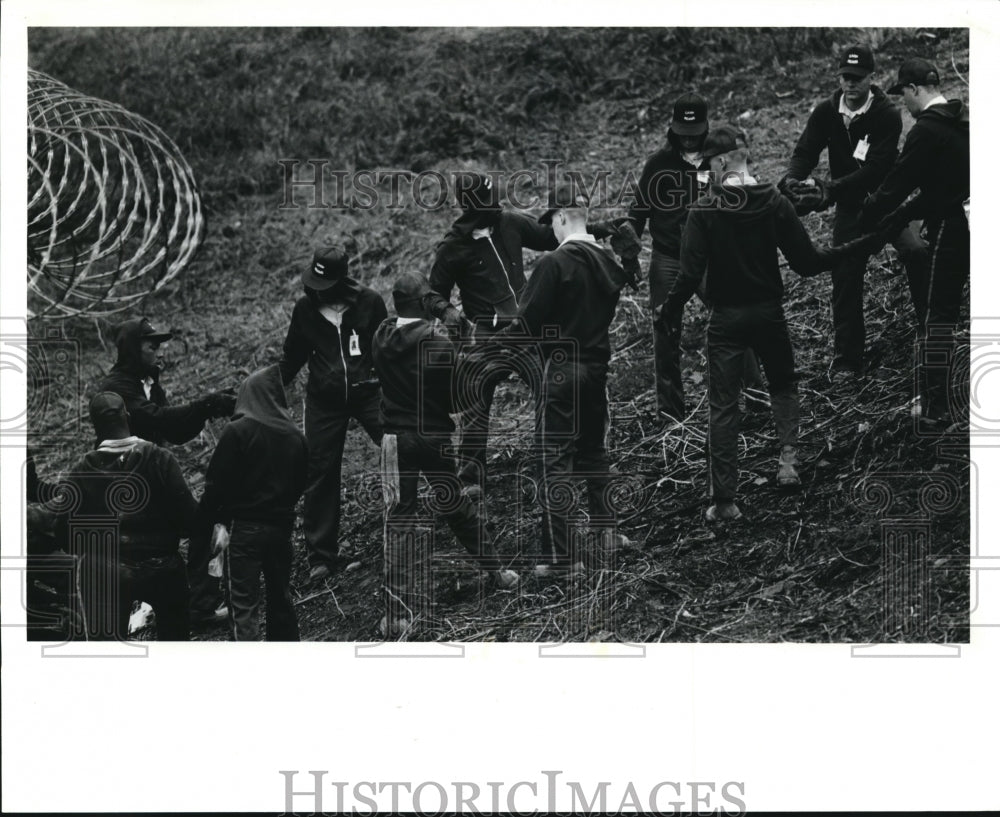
[[861, 151], [354, 344]]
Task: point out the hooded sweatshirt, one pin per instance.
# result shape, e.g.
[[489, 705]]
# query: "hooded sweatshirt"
[[415, 365], [935, 158], [575, 288], [851, 179], [153, 507], [667, 188], [735, 233], [489, 271], [258, 469], [151, 418]]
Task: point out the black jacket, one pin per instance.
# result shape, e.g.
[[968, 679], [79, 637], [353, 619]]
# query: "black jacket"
[[851, 179], [258, 469], [415, 364], [576, 289], [151, 520], [667, 188], [151, 418], [332, 367], [489, 272], [935, 158], [735, 232]]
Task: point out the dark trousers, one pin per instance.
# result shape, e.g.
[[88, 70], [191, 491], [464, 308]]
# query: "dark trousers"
[[848, 278], [949, 272], [256, 548], [326, 432], [475, 426], [571, 439], [731, 331], [406, 556], [663, 272], [109, 588]]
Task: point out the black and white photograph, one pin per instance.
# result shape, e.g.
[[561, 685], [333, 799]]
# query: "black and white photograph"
[[628, 375]]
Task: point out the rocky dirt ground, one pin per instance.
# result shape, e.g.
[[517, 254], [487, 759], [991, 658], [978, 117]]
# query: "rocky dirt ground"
[[809, 567]]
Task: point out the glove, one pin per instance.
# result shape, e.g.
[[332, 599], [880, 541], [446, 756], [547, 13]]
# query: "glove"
[[626, 245], [809, 196], [219, 404], [458, 326], [783, 184], [670, 317], [602, 229]]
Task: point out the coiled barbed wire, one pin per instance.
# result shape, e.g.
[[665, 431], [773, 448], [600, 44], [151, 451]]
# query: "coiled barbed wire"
[[113, 208]]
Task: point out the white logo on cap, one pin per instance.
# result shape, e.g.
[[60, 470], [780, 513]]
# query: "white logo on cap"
[[852, 58], [489, 183], [319, 268], [689, 116]]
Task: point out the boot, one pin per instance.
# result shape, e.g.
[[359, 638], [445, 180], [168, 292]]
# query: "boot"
[[788, 476]]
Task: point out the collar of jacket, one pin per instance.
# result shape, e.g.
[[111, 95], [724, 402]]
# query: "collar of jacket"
[[467, 222], [879, 102]]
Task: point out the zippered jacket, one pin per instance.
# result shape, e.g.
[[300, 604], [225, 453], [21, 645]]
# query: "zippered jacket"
[[328, 350], [851, 179], [489, 272]]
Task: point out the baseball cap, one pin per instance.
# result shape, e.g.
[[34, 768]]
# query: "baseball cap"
[[107, 413], [720, 140], [563, 195], [328, 266], [142, 329], [915, 71], [690, 116], [857, 61], [476, 191], [409, 287]]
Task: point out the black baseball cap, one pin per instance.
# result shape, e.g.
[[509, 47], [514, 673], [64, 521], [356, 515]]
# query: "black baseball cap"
[[563, 195], [476, 191], [721, 140], [857, 61], [915, 71], [409, 287], [690, 116], [142, 329], [328, 266], [108, 414]]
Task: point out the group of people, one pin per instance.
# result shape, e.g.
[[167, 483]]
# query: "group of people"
[[716, 232]]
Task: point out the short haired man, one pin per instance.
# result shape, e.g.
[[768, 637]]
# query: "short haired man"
[[859, 128], [332, 327], [414, 358], [935, 160], [732, 240], [575, 288], [136, 377], [152, 509], [671, 181]]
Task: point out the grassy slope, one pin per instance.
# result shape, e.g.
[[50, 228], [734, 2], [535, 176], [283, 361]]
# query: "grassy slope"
[[236, 101]]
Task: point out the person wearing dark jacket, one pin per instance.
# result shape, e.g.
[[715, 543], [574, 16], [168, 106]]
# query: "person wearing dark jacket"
[[136, 377], [935, 160], [575, 288], [414, 359], [483, 254], [130, 509], [670, 183], [859, 127], [734, 234], [331, 328], [256, 475]]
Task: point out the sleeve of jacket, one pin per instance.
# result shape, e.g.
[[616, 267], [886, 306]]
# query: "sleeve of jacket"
[[882, 152], [224, 463], [795, 244], [534, 236], [639, 212], [694, 261], [175, 424], [903, 178], [297, 346], [442, 282], [539, 295], [378, 314], [183, 504], [812, 141]]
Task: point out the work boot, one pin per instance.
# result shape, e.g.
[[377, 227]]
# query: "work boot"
[[723, 512], [788, 476]]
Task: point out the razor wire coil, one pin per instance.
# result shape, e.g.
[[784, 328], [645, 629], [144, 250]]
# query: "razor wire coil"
[[113, 208]]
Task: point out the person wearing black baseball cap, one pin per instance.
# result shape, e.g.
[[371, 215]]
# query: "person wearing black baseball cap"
[[671, 181], [136, 377], [935, 161], [142, 561], [331, 329], [859, 127]]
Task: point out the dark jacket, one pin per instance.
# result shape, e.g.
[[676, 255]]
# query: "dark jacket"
[[415, 364], [258, 469], [154, 507], [489, 272], [667, 188], [851, 179], [151, 418], [575, 288], [312, 338], [935, 158], [735, 232]]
